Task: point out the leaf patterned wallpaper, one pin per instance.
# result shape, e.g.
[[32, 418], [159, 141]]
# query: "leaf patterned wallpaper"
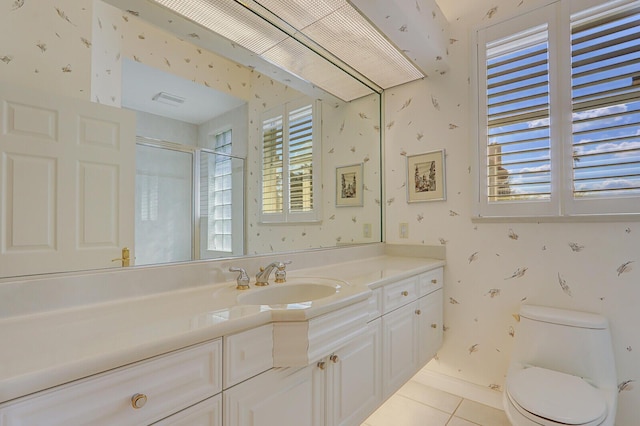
[[350, 135], [494, 267], [47, 45]]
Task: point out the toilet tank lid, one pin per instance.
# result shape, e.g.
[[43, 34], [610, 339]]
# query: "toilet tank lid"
[[563, 317]]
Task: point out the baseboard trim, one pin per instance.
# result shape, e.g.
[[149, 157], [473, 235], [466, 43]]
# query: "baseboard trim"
[[455, 386]]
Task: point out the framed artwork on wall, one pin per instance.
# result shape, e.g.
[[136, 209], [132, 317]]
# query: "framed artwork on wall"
[[426, 177], [349, 186]]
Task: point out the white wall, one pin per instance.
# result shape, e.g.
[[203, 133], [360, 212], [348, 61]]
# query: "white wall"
[[480, 296], [166, 129]]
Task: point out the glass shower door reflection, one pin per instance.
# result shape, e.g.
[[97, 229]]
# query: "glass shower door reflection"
[[164, 205]]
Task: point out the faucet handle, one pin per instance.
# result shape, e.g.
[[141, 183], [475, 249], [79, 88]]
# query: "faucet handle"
[[281, 274], [242, 280]]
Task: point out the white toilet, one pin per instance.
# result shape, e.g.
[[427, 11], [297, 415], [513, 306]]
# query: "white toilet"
[[562, 370]]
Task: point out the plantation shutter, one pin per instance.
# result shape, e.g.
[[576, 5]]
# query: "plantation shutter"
[[301, 159], [291, 163], [518, 141], [272, 165], [605, 71]]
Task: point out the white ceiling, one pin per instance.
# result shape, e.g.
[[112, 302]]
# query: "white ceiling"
[[453, 9], [140, 83]]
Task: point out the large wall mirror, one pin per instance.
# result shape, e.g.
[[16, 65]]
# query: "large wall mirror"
[[202, 105]]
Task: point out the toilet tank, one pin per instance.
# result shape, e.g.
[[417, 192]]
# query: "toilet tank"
[[573, 342]]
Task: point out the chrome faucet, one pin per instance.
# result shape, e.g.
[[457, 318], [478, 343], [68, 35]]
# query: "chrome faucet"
[[262, 277], [242, 280]]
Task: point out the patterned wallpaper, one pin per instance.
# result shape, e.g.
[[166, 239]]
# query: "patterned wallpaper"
[[47, 45], [350, 135], [494, 267]]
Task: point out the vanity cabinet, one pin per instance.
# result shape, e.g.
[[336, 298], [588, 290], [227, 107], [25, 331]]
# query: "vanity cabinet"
[[280, 396], [352, 379], [411, 327], [343, 364], [139, 394], [400, 347], [205, 413], [430, 326], [341, 388]]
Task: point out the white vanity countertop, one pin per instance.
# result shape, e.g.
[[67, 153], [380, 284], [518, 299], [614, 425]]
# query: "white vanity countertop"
[[43, 350]]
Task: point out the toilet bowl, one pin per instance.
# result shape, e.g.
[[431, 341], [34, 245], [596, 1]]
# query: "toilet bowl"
[[562, 370]]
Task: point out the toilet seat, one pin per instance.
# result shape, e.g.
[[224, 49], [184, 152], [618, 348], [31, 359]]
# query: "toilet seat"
[[552, 398]]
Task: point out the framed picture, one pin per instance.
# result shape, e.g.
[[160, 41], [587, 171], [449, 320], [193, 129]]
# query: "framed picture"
[[425, 177], [349, 185]]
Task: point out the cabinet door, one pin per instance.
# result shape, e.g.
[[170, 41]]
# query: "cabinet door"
[[280, 396], [206, 413], [429, 314], [354, 380], [167, 383], [399, 347]]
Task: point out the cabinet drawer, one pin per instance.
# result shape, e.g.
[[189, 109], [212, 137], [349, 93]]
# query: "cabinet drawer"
[[431, 281], [399, 294], [205, 413], [247, 354], [170, 383]]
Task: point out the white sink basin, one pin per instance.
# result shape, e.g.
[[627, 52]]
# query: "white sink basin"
[[297, 290]]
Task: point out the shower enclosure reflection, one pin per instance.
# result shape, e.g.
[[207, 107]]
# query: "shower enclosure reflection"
[[189, 202]]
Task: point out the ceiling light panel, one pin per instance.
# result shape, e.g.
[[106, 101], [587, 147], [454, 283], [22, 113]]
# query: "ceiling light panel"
[[351, 38], [299, 60], [301, 13], [230, 20]]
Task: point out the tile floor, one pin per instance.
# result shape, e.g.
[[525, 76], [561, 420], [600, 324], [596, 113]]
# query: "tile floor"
[[418, 405]]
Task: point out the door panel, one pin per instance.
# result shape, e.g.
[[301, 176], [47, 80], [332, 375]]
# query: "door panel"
[[66, 181], [399, 337]]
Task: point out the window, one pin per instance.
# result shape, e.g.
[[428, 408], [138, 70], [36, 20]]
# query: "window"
[[217, 170], [559, 112], [291, 164]]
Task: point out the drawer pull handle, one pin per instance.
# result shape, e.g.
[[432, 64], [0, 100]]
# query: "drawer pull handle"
[[138, 400], [434, 281], [434, 325], [321, 365], [405, 293], [418, 312], [334, 358]]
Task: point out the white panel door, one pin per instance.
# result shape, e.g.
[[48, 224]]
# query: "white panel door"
[[67, 171], [355, 388], [280, 396], [430, 326], [399, 348]]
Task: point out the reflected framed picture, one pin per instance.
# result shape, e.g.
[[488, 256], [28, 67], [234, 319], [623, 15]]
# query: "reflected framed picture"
[[426, 177], [349, 186]]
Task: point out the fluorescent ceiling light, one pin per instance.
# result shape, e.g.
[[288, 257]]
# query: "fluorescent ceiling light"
[[169, 99], [332, 30]]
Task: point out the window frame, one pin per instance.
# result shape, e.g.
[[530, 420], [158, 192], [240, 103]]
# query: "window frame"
[[562, 204], [287, 216]]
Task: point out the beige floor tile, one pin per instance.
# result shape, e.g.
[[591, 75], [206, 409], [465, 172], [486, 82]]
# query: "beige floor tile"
[[435, 398], [457, 421], [402, 411], [481, 414]]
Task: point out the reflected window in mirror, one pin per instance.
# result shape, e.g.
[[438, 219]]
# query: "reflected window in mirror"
[[291, 163], [219, 195]]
